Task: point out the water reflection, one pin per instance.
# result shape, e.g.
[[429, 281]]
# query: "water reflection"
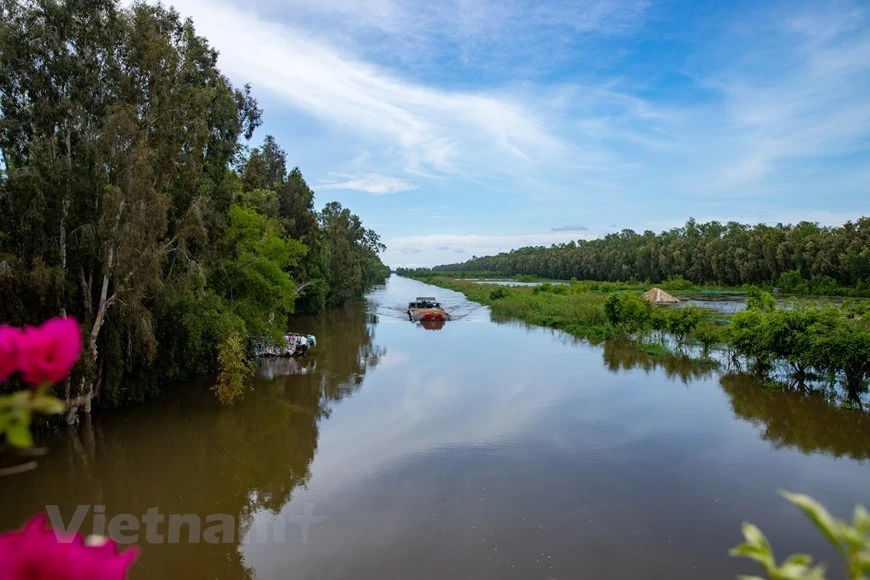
[[432, 324], [620, 356], [184, 455], [793, 418], [271, 367]]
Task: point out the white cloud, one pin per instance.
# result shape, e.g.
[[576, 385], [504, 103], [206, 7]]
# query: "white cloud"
[[371, 183], [430, 130], [430, 246], [417, 32], [810, 105]]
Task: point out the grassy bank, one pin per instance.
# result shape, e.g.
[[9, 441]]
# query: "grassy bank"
[[811, 347], [676, 284], [580, 314], [576, 309]]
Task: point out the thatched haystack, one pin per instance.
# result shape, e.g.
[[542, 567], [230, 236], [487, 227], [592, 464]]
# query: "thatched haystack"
[[659, 296]]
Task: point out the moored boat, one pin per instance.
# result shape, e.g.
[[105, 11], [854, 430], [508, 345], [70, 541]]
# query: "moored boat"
[[426, 308], [294, 344]]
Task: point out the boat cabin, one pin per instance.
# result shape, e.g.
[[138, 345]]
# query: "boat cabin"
[[424, 302]]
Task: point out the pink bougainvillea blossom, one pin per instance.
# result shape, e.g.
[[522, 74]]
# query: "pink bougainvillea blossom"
[[36, 553], [10, 345], [47, 353]]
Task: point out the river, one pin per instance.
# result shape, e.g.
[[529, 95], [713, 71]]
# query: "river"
[[484, 449]]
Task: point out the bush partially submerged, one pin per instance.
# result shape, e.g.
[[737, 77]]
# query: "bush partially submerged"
[[235, 371]]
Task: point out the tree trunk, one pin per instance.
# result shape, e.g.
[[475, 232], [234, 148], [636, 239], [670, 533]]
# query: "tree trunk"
[[87, 292], [65, 209], [90, 389]]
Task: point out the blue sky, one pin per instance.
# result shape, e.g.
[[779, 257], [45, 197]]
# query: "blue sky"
[[463, 127]]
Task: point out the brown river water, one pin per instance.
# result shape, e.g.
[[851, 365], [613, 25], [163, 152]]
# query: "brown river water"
[[484, 449]]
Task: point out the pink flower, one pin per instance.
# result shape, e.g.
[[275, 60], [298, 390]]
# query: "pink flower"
[[10, 345], [48, 353], [36, 553]]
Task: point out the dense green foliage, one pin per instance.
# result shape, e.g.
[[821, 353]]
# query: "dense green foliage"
[[832, 342], [801, 259], [128, 200]]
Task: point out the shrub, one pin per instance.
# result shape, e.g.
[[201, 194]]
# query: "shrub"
[[745, 336], [235, 371], [839, 346], [824, 285], [560, 289], [628, 311], [708, 335], [793, 283], [499, 293], [681, 322], [676, 283], [758, 299]]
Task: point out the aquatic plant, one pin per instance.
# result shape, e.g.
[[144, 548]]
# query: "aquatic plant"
[[852, 542]]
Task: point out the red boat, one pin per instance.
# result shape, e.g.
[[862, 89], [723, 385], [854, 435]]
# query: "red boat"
[[424, 308], [432, 324]]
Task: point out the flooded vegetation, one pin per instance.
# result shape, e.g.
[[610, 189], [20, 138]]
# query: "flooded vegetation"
[[485, 448]]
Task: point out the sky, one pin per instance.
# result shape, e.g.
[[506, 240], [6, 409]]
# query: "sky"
[[457, 128]]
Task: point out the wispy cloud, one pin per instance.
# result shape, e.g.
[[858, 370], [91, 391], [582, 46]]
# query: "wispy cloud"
[[482, 33], [369, 182], [429, 129], [811, 105]]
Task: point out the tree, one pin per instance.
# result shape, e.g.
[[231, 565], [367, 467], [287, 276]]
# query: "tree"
[[266, 167], [119, 204]]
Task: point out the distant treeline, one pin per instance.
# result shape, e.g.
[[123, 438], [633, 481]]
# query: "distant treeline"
[[802, 259], [128, 200]]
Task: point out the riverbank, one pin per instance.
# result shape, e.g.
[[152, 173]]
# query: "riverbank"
[[810, 348], [676, 284], [576, 311], [786, 287]]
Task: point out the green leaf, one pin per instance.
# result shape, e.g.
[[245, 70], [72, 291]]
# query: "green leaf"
[[861, 520], [48, 405], [795, 571], [854, 538], [799, 559], [818, 515], [756, 548], [18, 429], [755, 537]]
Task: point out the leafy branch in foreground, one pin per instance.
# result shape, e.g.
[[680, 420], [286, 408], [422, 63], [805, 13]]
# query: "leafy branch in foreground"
[[851, 541]]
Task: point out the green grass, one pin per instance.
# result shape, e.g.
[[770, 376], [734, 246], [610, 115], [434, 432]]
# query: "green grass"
[[653, 349], [580, 314], [571, 309]]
